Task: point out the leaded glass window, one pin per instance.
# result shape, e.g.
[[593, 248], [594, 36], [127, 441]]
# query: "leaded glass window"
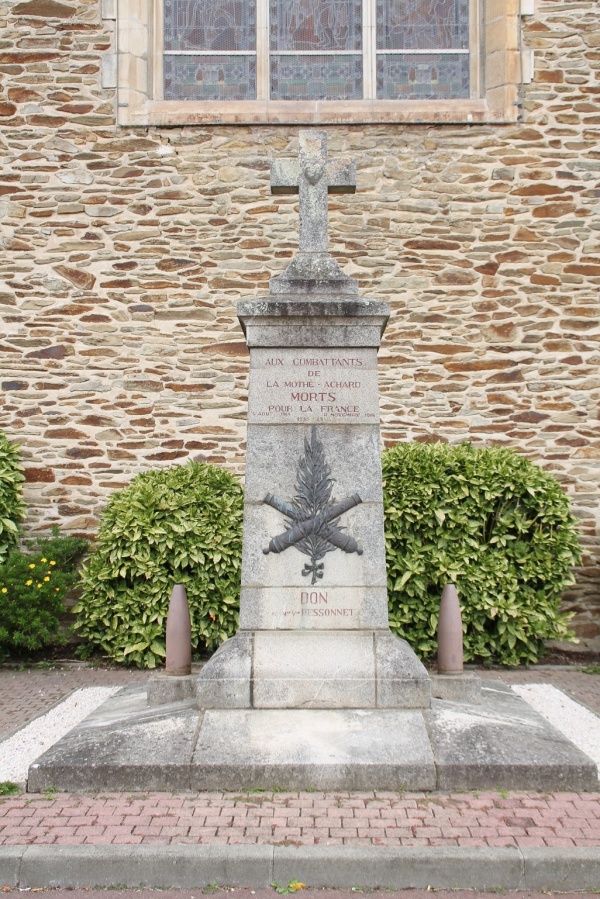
[[315, 50], [422, 49], [209, 49]]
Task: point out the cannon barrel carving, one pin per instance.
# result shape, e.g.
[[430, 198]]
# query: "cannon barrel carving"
[[313, 516], [302, 529]]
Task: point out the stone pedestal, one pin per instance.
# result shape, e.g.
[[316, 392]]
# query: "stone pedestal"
[[313, 613]]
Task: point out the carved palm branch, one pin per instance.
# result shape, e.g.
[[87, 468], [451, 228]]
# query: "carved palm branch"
[[313, 518]]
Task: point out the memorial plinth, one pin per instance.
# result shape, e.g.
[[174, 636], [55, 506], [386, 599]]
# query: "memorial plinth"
[[314, 628], [314, 691], [313, 612]]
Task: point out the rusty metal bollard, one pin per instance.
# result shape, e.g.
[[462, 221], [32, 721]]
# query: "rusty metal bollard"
[[450, 634], [179, 634]]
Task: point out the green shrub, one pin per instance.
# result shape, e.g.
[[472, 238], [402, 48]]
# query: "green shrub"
[[33, 586], [491, 522], [12, 509], [176, 525]]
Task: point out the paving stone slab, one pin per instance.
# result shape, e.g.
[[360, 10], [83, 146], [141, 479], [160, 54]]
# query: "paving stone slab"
[[315, 749], [146, 866], [10, 865], [341, 867], [502, 743], [122, 745]]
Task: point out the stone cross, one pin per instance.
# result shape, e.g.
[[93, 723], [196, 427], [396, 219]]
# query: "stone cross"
[[312, 176]]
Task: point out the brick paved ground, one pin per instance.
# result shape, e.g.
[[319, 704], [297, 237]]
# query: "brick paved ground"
[[26, 694], [355, 819]]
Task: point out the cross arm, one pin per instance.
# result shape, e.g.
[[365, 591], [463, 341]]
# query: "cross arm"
[[285, 174], [341, 176]]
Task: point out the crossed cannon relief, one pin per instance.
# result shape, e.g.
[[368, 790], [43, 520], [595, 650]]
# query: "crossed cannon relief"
[[313, 516]]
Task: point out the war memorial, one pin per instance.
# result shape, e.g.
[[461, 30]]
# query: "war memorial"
[[314, 691]]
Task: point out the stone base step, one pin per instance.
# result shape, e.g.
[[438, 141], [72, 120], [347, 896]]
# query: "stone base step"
[[499, 743]]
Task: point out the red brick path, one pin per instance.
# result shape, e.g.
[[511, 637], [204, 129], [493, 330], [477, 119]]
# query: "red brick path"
[[355, 819]]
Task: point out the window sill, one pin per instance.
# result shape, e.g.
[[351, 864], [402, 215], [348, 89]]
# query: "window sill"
[[187, 112]]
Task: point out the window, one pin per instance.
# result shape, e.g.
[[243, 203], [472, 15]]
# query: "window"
[[317, 61]]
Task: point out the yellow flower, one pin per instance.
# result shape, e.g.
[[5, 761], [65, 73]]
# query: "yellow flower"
[[46, 579], [28, 583], [43, 560], [32, 565], [38, 586], [4, 590], [52, 563], [56, 589]]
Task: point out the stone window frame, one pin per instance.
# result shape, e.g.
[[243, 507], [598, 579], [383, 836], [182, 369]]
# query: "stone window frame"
[[495, 53]]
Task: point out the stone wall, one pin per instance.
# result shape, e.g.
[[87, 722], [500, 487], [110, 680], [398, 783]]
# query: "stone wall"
[[126, 250]]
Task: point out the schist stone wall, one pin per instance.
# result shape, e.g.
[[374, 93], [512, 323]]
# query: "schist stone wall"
[[125, 252]]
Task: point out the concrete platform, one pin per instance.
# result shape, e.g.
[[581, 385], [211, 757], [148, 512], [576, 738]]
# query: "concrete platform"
[[501, 743]]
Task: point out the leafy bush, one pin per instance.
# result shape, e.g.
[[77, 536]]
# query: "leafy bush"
[[177, 525], [33, 586], [491, 522], [12, 509]]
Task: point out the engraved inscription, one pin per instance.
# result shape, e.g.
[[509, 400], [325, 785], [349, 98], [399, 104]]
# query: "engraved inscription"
[[302, 386], [318, 613], [315, 604]]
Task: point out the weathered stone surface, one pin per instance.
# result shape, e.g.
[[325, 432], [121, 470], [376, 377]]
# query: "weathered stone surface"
[[352, 452], [76, 276], [322, 750], [126, 745], [226, 682], [505, 742], [313, 608], [402, 681], [163, 688], [39, 475], [51, 352], [47, 9], [289, 386], [298, 669], [123, 745], [464, 688]]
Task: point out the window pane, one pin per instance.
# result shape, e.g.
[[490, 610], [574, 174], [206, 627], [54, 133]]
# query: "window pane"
[[316, 25], [422, 24], [209, 77], [210, 25], [422, 77], [316, 77]]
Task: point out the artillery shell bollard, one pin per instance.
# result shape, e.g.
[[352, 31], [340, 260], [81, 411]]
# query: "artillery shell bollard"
[[175, 684], [450, 637], [451, 683], [179, 634]]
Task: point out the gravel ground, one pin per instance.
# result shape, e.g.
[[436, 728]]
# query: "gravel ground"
[[19, 751]]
